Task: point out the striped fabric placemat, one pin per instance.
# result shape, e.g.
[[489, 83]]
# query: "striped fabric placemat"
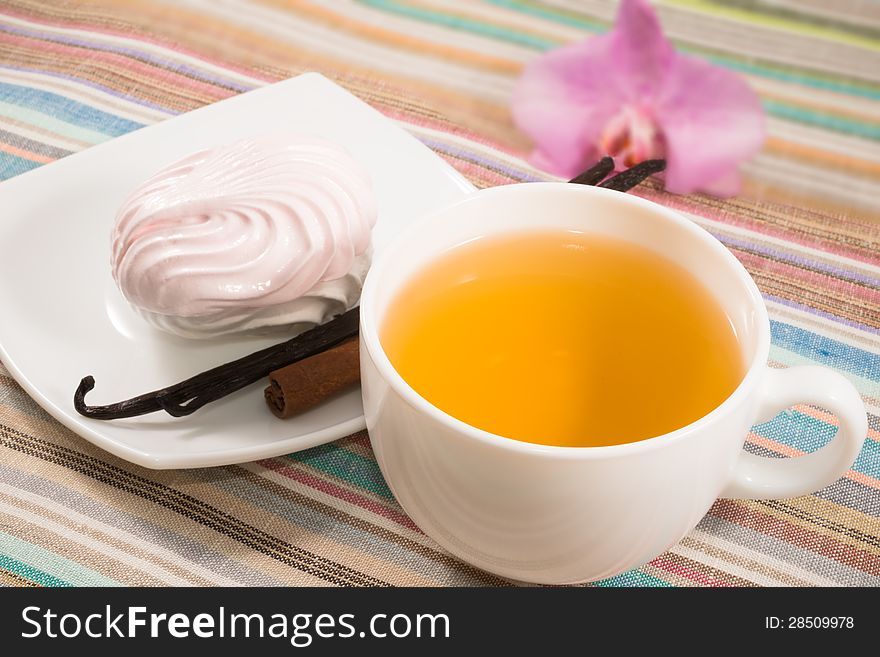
[[75, 74]]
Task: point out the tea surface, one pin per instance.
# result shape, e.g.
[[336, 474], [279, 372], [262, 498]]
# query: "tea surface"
[[562, 338]]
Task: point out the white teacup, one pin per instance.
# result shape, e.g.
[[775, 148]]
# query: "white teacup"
[[556, 515]]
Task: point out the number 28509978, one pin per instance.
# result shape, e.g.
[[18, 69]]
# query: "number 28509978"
[[809, 622]]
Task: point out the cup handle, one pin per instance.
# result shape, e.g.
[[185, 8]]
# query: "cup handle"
[[758, 478]]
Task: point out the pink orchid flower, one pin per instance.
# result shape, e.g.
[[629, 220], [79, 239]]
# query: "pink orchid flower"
[[629, 95]]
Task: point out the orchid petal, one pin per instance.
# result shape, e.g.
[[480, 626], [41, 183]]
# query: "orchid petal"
[[724, 187], [641, 55], [563, 100], [711, 120]]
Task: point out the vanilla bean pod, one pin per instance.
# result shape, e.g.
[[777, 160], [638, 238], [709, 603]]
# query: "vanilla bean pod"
[[626, 180], [187, 396], [596, 173]]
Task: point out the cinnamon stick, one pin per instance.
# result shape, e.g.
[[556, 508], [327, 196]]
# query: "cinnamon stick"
[[305, 384]]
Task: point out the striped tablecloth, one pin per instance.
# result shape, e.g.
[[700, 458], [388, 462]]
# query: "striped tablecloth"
[[73, 74]]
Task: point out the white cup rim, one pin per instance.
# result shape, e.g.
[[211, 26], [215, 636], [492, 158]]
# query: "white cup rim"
[[369, 331]]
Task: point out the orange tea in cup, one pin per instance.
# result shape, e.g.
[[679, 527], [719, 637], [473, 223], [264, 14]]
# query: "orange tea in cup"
[[562, 338]]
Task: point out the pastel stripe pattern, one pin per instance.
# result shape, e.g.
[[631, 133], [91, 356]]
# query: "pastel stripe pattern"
[[806, 227]]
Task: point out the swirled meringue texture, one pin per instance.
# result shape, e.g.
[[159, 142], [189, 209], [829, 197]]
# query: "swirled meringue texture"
[[265, 232]]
